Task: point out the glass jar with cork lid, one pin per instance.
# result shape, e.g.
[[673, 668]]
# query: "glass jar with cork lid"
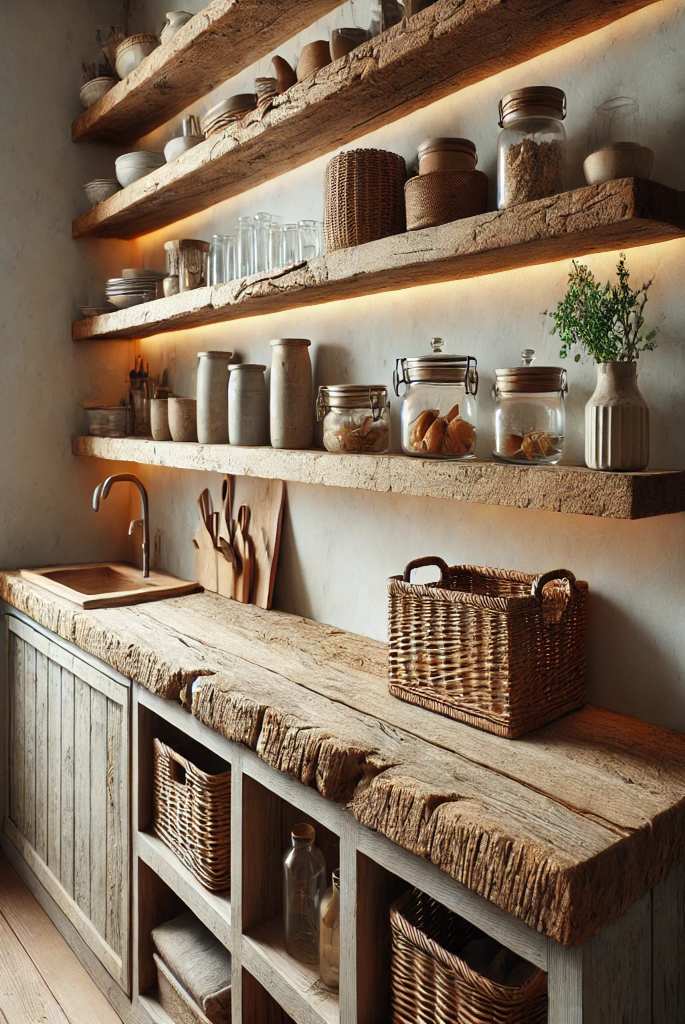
[[439, 410], [530, 413], [531, 145]]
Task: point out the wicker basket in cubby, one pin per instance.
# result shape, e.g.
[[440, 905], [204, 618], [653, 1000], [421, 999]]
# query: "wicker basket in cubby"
[[433, 984], [191, 814], [500, 650]]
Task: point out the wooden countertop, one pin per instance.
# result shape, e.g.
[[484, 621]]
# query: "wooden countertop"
[[563, 829]]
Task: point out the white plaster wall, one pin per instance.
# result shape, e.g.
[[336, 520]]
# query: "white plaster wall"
[[44, 276], [340, 546]]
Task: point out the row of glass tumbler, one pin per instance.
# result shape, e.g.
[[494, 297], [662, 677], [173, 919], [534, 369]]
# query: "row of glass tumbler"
[[260, 244]]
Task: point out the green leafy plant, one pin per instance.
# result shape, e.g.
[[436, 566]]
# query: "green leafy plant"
[[604, 320]]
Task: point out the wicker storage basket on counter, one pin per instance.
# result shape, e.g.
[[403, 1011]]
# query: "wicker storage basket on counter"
[[500, 650], [432, 984], [364, 197], [191, 814]]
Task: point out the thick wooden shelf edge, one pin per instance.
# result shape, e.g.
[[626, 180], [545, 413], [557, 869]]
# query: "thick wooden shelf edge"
[[218, 42], [567, 489], [625, 212], [448, 46]]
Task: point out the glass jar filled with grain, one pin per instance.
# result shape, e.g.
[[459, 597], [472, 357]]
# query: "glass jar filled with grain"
[[530, 414], [531, 145]]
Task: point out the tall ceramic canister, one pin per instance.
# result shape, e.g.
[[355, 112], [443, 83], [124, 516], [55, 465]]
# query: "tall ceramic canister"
[[212, 397], [248, 417], [617, 420], [292, 394]]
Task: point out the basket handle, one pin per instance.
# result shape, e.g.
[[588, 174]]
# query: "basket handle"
[[540, 582], [419, 563], [178, 767]]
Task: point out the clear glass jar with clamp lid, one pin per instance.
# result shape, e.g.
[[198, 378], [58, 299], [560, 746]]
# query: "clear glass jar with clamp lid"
[[356, 417], [439, 409], [530, 413]]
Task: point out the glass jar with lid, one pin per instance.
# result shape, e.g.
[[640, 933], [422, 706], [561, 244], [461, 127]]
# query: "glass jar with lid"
[[531, 145], [439, 409], [356, 417], [530, 414]]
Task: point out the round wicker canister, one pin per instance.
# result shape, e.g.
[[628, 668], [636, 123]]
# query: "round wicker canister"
[[442, 196], [364, 197]]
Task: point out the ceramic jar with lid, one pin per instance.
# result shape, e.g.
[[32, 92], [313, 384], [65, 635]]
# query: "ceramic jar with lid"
[[531, 145], [530, 413], [291, 418], [248, 417], [212, 397], [439, 408], [455, 155], [356, 418]]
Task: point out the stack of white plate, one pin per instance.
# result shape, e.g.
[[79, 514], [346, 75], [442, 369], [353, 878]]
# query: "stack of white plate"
[[133, 287], [132, 166], [225, 113]]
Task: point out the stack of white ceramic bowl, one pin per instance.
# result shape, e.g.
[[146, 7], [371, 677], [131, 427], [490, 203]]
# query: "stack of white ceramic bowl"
[[132, 51], [100, 189], [132, 166], [225, 113], [94, 90], [133, 287]]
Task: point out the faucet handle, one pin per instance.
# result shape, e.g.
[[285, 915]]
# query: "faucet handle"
[[133, 524]]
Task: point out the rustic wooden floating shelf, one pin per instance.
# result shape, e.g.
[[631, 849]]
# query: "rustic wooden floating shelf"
[[621, 213], [448, 46], [217, 43], [570, 489]]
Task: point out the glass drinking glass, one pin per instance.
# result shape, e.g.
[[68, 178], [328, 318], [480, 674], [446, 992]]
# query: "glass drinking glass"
[[246, 246], [275, 247], [321, 242], [232, 266], [291, 245], [308, 239], [216, 270], [262, 223]]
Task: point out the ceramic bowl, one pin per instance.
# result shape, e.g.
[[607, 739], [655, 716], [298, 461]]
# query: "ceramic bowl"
[[101, 189], [176, 147], [132, 166], [132, 51], [94, 90], [183, 419], [125, 300], [619, 160]]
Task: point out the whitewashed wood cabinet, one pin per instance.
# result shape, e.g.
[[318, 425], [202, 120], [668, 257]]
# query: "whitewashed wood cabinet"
[[68, 785]]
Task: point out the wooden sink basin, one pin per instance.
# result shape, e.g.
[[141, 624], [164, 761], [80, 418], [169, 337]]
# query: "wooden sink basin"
[[107, 584]]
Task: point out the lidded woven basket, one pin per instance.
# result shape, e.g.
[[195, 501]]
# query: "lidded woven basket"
[[432, 982], [444, 196], [364, 197], [500, 650]]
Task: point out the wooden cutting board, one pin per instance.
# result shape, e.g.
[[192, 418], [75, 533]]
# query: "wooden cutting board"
[[265, 499]]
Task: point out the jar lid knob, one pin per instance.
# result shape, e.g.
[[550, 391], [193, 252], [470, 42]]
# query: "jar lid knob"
[[436, 344], [528, 356]]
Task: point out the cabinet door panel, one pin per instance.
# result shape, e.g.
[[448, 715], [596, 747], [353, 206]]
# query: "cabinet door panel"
[[69, 806]]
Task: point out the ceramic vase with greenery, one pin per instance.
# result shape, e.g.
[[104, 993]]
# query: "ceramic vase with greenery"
[[606, 321]]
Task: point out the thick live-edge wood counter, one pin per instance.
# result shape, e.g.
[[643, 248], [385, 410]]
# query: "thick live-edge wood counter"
[[564, 830]]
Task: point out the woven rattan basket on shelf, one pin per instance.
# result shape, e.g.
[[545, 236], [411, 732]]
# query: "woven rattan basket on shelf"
[[191, 814], [444, 196], [432, 984], [500, 650], [364, 197], [173, 998]]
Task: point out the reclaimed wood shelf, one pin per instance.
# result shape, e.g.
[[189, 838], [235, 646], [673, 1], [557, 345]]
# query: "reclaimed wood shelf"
[[447, 46], [598, 218], [570, 489], [213, 909], [221, 40]]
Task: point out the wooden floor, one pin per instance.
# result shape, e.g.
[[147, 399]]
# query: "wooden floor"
[[41, 979]]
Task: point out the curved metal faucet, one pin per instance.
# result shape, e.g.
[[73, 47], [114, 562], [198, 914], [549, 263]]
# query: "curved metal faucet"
[[101, 492]]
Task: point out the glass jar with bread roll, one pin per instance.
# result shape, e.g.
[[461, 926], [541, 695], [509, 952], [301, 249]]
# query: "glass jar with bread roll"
[[530, 413], [439, 408]]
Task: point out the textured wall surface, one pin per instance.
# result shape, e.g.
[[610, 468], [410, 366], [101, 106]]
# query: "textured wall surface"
[[340, 546], [44, 495]]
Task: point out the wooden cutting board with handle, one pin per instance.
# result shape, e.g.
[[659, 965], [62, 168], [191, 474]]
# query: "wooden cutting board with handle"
[[265, 500]]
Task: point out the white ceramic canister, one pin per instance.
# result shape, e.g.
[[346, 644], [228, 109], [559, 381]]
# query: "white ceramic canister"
[[292, 398], [212, 397], [159, 419], [175, 20], [617, 420], [248, 415]]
